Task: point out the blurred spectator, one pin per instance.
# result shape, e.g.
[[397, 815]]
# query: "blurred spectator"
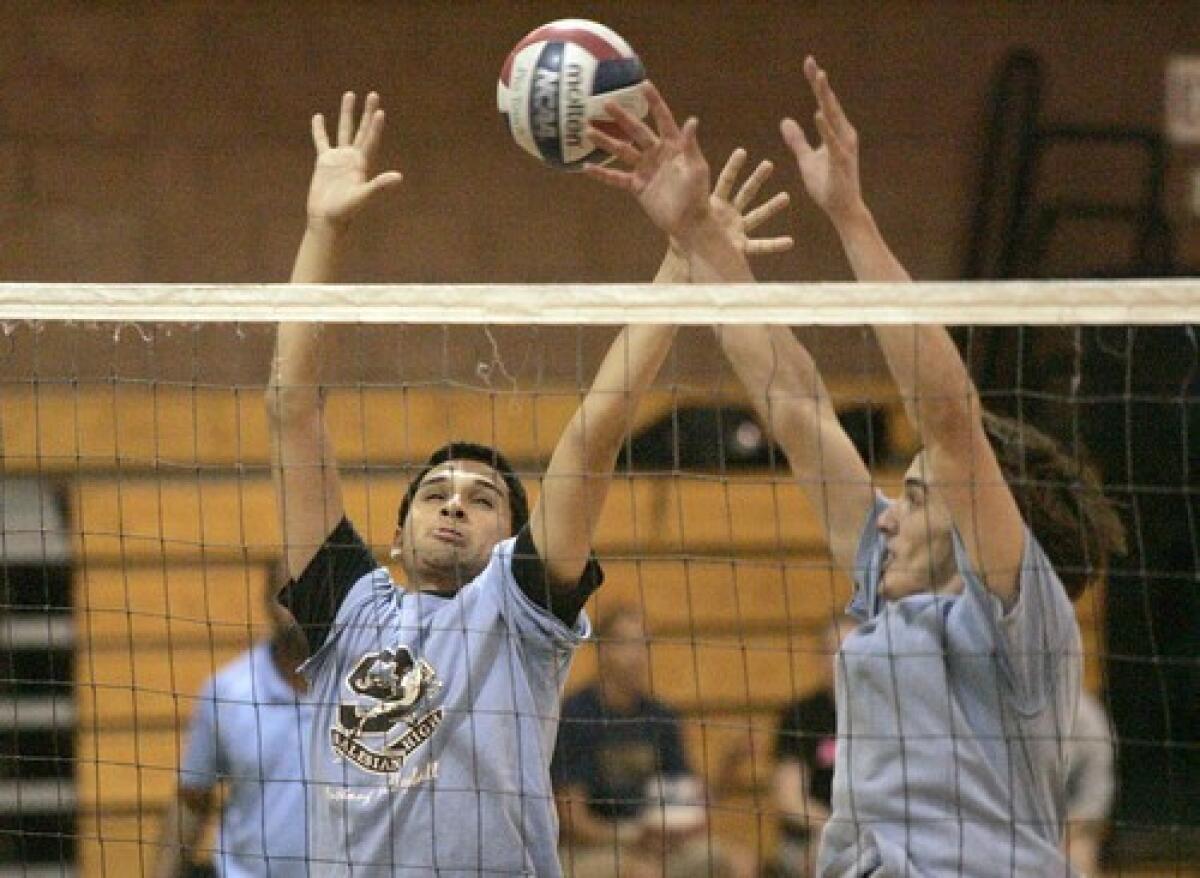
[[629, 803], [805, 747], [247, 732], [1091, 783]]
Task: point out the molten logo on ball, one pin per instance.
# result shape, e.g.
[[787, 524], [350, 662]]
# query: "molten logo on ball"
[[557, 81]]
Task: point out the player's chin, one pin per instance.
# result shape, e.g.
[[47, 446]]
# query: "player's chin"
[[892, 586], [454, 562]]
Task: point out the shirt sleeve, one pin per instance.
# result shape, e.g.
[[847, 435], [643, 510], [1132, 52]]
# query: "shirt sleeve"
[[1033, 640], [530, 573], [200, 768], [316, 596], [868, 564], [523, 613], [572, 762], [787, 734], [672, 755]]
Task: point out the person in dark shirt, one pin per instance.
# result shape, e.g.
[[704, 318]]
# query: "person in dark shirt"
[[629, 802]]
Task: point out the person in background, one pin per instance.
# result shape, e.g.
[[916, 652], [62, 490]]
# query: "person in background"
[[629, 802], [1091, 784], [247, 733], [805, 747]]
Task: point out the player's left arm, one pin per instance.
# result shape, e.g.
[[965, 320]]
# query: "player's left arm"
[[577, 479], [939, 396], [670, 178]]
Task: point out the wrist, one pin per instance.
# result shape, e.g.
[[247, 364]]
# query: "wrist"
[[854, 219], [704, 232], [323, 226]]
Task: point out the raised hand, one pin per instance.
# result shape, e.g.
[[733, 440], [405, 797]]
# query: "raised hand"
[[667, 172], [731, 210], [830, 172], [341, 182]]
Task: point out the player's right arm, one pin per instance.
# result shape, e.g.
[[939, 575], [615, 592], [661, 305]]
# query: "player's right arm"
[[939, 396], [308, 486]]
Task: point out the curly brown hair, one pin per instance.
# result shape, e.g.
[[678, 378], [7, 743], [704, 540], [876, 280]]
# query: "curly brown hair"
[[1062, 500]]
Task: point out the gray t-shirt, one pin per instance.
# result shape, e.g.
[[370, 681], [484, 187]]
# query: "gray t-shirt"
[[434, 726], [952, 724]]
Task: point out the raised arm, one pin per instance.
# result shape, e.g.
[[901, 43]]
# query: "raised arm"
[[307, 483], [670, 178], [932, 378], [791, 399]]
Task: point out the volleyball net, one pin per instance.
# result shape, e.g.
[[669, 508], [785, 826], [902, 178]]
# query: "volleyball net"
[[140, 531]]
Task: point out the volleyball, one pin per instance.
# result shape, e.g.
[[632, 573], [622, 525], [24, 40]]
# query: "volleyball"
[[557, 79]]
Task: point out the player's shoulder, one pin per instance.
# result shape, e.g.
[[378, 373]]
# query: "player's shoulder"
[[242, 676]]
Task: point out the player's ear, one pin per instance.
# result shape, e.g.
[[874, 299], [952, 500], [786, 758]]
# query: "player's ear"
[[397, 543]]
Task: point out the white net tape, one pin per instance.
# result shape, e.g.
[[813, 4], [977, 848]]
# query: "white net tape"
[[827, 304]]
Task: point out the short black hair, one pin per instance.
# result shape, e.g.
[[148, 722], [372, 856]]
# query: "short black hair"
[[518, 502]]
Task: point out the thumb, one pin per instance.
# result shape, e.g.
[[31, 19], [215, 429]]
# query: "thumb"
[[691, 146], [386, 180], [794, 137]]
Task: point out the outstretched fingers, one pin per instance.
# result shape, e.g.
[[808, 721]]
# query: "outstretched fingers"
[[828, 101], [765, 211], [345, 130], [768, 246], [664, 119], [729, 174], [611, 177], [370, 106], [631, 126], [371, 132], [753, 183], [691, 143], [383, 181], [795, 138], [319, 135], [614, 146]]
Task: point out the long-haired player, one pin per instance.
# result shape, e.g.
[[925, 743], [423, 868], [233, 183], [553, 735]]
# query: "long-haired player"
[[957, 692]]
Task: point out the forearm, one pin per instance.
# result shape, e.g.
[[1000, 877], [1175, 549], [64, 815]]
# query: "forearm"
[[181, 827], [674, 268], [580, 470], [295, 366], [591, 441], [779, 376], [871, 259], [928, 370], [939, 396]]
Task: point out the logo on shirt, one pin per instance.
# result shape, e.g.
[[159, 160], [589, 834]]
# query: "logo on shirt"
[[390, 687]]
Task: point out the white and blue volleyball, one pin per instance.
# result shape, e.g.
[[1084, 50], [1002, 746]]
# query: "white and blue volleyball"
[[557, 79]]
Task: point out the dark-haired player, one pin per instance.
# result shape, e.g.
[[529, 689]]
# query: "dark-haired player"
[[957, 692], [437, 703]]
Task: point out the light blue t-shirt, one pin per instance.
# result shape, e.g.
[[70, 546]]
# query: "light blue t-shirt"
[[248, 729], [953, 717], [435, 723]]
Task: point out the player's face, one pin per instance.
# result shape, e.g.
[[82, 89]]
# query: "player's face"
[[917, 529], [458, 514]]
